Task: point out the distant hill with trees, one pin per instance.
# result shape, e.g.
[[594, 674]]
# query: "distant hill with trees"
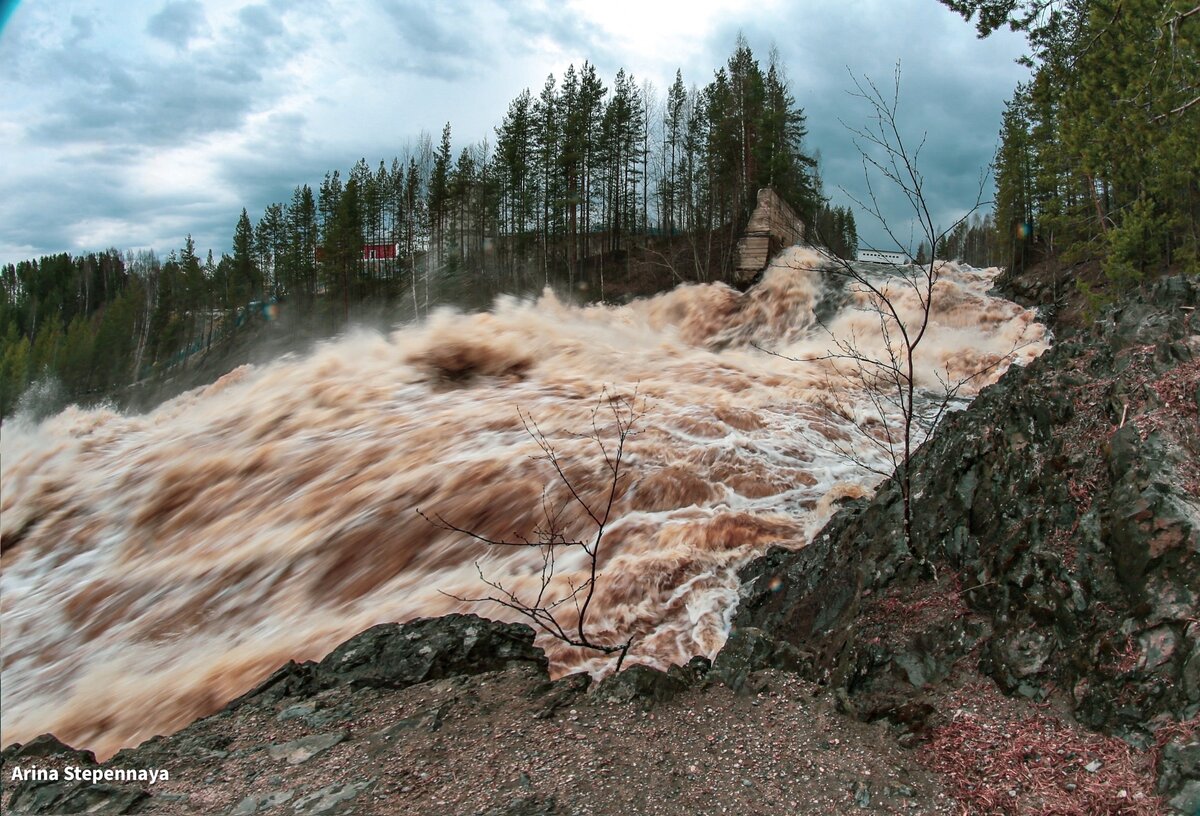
[[614, 189]]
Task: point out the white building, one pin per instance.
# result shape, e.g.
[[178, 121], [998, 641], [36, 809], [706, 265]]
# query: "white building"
[[890, 258]]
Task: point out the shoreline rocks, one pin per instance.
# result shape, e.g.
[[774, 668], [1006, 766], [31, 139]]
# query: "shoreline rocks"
[[1061, 517]]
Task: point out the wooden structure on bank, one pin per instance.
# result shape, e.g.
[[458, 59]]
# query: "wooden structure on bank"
[[877, 257], [773, 226]]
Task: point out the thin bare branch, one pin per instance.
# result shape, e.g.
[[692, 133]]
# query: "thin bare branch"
[[889, 378], [540, 607]]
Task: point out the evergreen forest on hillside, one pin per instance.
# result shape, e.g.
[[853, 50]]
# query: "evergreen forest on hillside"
[[1100, 150], [620, 190]]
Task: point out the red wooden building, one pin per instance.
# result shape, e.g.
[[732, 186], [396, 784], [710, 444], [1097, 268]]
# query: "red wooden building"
[[380, 252], [371, 252]]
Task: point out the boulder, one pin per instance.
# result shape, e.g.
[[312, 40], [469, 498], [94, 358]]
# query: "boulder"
[[641, 684], [748, 650], [332, 800], [302, 750], [526, 806], [57, 798], [290, 680], [393, 655], [46, 745]]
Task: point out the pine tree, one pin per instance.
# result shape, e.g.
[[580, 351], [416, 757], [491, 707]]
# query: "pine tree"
[[1100, 145], [343, 242], [674, 123], [270, 246], [439, 193], [548, 141], [515, 152], [783, 164], [114, 343], [462, 191], [414, 220], [246, 283], [619, 150], [850, 234], [301, 260], [76, 370], [586, 129]]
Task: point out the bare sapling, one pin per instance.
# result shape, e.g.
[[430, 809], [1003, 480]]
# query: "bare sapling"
[[561, 605], [890, 290]]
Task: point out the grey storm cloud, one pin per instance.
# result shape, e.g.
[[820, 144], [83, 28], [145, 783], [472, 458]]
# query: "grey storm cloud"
[[112, 109], [261, 20], [457, 39], [556, 22], [157, 109], [177, 22], [270, 94], [276, 161], [95, 190], [949, 104], [437, 39], [81, 28], [163, 101]]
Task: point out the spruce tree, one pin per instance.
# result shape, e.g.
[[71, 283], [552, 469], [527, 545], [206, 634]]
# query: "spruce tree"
[[246, 284]]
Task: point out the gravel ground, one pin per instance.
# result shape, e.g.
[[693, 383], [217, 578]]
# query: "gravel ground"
[[511, 743]]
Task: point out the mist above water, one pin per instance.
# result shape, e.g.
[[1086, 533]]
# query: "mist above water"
[[157, 565]]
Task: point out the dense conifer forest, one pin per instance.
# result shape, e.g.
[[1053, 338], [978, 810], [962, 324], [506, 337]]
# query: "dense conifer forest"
[[1099, 156], [583, 185]]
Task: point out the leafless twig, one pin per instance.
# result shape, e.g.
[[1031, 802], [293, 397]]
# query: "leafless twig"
[[889, 379], [547, 607]]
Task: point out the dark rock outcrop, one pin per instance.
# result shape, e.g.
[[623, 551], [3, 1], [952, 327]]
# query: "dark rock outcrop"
[[1046, 283], [1061, 518], [387, 656], [42, 747], [748, 650], [56, 798], [394, 655], [647, 686], [52, 796], [562, 693]]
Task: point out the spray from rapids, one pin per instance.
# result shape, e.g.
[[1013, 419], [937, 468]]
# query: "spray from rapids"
[[155, 566]]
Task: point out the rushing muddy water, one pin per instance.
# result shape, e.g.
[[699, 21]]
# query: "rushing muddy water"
[[157, 565]]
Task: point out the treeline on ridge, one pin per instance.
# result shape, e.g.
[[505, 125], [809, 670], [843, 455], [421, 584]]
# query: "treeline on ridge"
[[610, 188], [1100, 150]]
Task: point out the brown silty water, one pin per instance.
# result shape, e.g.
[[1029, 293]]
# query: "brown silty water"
[[155, 566]]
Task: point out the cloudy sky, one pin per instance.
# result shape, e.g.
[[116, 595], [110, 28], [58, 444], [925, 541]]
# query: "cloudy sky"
[[132, 124]]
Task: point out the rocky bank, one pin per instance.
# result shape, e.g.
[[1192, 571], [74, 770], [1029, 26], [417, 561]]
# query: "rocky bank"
[[1060, 517], [1042, 656]]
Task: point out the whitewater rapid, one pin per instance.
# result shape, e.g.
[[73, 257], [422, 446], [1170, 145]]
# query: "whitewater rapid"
[[156, 565]]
